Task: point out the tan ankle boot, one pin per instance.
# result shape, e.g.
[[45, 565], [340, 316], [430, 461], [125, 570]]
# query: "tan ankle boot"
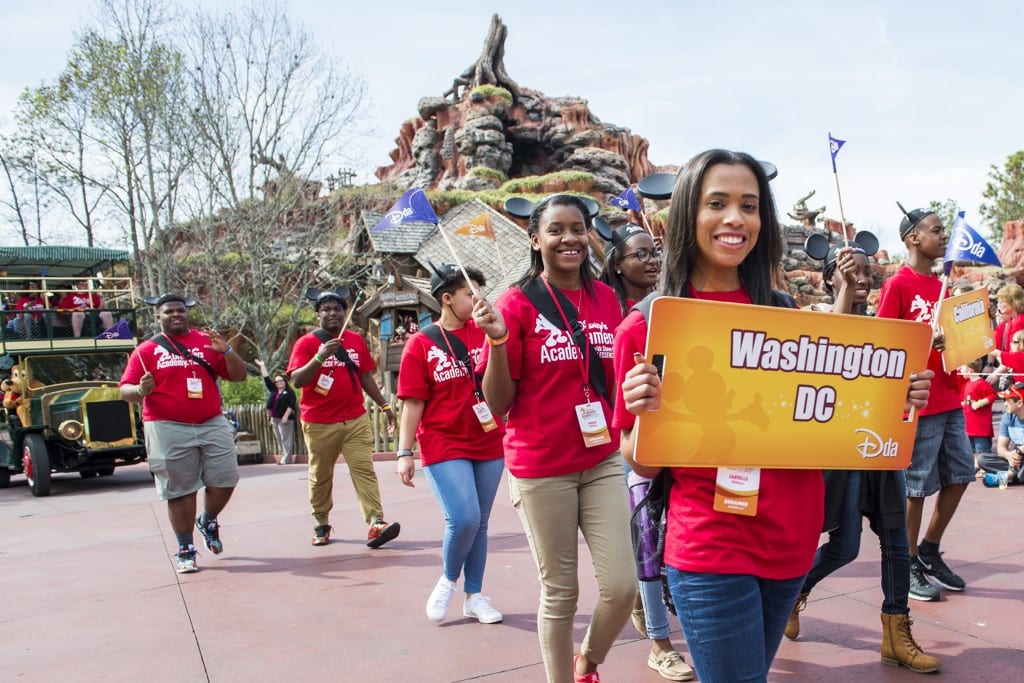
[[793, 625], [899, 647]]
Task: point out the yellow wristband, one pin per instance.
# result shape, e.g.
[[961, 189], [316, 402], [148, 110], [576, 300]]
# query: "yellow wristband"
[[386, 407], [499, 341]]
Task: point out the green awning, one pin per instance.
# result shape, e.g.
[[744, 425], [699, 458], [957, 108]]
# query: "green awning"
[[57, 261]]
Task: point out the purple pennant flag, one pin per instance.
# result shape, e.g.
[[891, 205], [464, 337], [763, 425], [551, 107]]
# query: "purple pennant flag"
[[119, 331], [965, 244], [411, 206], [626, 200], [833, 146]]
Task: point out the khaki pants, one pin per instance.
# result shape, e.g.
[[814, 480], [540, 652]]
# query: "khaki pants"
[[552, 510], [325, 442]]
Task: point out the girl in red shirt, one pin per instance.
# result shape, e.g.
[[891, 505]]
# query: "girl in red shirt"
[[551, 372], [734, 579]]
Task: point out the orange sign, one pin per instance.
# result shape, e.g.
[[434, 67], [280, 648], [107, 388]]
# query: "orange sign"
[[965, 322], [758, 386]]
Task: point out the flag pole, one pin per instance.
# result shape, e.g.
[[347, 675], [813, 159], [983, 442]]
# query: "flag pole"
[[839, 193], [458, 261], [348, 318]]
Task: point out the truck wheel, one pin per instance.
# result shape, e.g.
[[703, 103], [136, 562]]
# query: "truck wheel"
[[37, 465], [87, 474], [105, 471], [5, 477]]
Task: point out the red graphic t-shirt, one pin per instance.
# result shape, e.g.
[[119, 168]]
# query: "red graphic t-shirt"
[[908, 295], [174, 397], [81, 299], [777, 543], [344, 398], [543, 437], [448, 428]]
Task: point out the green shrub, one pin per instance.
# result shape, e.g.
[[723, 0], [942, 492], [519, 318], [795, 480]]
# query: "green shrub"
[[492, 91], [535, 182], [243, 393], [484, 172]]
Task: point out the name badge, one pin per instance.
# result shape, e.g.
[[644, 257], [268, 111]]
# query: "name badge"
[[592, 424], [483, 414], [736, 490], [324, 384], [194, 387]]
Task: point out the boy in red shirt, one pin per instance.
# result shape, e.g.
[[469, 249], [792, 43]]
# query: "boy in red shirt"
[[977, 398], [942, 461]]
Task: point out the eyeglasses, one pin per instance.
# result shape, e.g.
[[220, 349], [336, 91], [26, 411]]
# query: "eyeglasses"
[[644, 255], [279, 379], [1017, 341]]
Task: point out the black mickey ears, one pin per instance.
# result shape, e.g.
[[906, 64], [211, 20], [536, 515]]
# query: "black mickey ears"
[[911, 219], [440, 275], [659, 185], [819, 248], [521, 207], [159, 301], [339, 294]]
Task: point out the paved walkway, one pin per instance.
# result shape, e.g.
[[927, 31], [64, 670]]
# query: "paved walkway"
[[90, 594]]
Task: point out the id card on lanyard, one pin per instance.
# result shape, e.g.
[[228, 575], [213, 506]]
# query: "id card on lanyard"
[[194, 386], [481, 410], [736, 490], [589, 415]]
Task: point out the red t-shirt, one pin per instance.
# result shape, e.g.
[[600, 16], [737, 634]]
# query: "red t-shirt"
[[81, 299], [979, 422], [777, 543], [448, 428], [908, 295], [1005, 331], [170, 399], [1015, 361], [344, 398], [543, 437]]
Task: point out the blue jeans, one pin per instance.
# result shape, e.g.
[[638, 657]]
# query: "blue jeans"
[[465, 489], [733, 622], [844, 543]]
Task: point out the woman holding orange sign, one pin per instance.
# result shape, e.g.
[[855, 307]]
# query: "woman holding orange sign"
[[734, 578]]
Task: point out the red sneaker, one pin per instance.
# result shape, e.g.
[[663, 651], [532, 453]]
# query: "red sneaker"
[[381, 532], [592, 677]]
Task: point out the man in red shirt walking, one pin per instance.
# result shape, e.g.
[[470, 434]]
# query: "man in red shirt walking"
[[333, 367], [188, 441]]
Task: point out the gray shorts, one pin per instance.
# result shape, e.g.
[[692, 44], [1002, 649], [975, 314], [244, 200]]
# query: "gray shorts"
[[186, 457], [942, 454]]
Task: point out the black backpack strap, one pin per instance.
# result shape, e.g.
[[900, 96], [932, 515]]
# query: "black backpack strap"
[[443, 341], [160, 340], [341, 354], [541, 299]]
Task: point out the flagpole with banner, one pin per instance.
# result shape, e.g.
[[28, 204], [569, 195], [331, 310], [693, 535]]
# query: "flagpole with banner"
[[834, 145], [414, 206], [627, 201], [965, 244]]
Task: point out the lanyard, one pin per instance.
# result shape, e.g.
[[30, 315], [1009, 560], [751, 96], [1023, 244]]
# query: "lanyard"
[[469, 371], [584, 349]]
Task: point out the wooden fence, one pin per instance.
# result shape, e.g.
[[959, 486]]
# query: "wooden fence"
[[253, 418]]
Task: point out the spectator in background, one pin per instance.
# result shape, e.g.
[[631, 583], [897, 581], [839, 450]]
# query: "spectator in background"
[[79, 302], [281, 410], [977, 397]]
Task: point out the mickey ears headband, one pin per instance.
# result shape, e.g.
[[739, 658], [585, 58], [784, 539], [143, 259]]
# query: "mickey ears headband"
[[659, 185], [521, 207], [819, 248], [911, 219], [318, 297], [159, 301], [616, 236], [442, 272]]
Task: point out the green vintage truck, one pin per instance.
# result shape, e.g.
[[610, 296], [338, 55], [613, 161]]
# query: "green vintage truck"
[[68, 327]]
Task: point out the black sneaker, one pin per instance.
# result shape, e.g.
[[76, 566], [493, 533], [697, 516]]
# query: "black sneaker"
[[322, 534], [920, 589], [935, 568], [211, 536]]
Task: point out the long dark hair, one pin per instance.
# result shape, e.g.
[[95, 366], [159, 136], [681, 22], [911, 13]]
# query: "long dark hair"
[[533, 228], [758, 268]]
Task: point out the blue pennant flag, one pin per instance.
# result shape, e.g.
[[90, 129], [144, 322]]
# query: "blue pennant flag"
[[967, 245], [833, 146], [626, 200], [411, 206], [119, 331]]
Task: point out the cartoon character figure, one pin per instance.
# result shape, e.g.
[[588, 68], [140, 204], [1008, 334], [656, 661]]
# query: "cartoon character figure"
[[436, 355], [14, 396], [556, 336]]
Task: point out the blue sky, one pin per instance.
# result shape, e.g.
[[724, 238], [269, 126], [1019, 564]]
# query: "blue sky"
[[928, 96]]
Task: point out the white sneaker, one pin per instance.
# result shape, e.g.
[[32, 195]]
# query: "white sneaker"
[[479, 607], [437, 603]]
